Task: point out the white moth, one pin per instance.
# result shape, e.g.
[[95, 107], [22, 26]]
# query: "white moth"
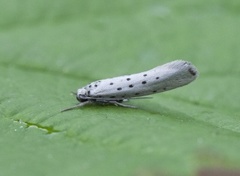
[[120, 89]]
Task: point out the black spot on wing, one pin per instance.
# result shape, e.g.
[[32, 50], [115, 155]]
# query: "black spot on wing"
[[193, 72]]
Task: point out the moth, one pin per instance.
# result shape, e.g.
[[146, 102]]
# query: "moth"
[[123, 88]]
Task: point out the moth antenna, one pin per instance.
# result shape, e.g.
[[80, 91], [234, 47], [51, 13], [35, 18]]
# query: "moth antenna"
[[76, 106], [73, 93], [141, 98]]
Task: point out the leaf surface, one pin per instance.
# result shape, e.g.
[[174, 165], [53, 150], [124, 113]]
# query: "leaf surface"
[[50, 48]]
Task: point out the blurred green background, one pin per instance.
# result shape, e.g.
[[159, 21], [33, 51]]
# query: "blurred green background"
[[50, 48]]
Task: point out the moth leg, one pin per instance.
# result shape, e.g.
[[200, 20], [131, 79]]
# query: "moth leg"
[[121, 104], [77, 106]]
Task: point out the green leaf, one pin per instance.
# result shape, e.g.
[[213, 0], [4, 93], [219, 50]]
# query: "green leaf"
[[50, 48]]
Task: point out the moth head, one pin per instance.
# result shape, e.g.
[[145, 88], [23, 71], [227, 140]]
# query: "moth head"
[[82, 95]]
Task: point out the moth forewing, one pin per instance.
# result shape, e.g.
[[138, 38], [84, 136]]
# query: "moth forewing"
[[118, 89]]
